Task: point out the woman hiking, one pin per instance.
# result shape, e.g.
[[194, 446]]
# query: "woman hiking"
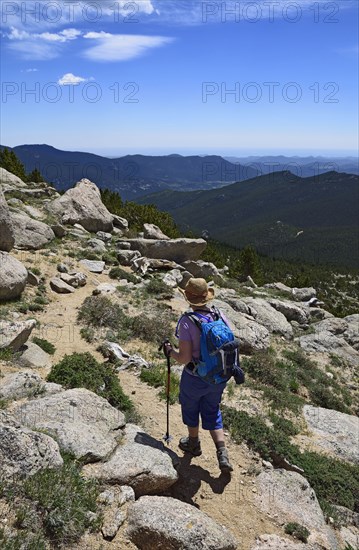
[[198, 398]]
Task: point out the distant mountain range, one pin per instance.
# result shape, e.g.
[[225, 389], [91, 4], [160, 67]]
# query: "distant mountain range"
[[132, 175], [304, 167], [312, 219]]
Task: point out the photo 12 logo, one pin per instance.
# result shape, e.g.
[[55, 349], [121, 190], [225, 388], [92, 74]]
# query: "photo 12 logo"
[[68, 11], [253, 12], [270, 92], [53, 92]]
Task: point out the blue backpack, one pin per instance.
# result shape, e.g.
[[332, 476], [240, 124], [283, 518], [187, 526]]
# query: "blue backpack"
[[219, 359]]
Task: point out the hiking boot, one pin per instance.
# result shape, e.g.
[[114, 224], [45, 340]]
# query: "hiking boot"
[[186, 445], [223, 461]]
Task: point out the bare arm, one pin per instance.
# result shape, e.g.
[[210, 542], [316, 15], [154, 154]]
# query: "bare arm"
[[184, 353]]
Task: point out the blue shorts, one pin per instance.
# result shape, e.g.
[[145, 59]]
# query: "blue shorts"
[[197, 397]]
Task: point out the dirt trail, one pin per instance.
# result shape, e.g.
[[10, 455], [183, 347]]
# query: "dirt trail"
[[227, 499]]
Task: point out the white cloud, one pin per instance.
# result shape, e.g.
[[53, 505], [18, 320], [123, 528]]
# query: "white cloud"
[[62, 36], [70, 79], [39, 46], [121, 47], [31, 70]]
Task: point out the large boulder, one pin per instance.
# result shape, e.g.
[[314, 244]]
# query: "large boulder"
[[164, 522], [291, 310], [303, 294], [252, 335], [334, 431], [60, 286], [83, 423], [324, 341], [14, 334], [19, 384], [292, 499], [34, 357], [140, 462], [82, 204], [351, 333], [9, 181], [178, 250], [13, 277], [24, 452], [7, 238], [264, 314], [30, 234], [206, 270]]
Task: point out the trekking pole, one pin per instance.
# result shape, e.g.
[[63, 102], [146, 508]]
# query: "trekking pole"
[[167, 438]]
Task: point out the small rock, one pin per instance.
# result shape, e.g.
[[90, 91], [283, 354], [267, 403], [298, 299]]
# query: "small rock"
[[123, 245], [32, 279], [93, 266], [74, 279], [111, 523], [104, 288], [62, 268], [59, 230], [103, 236], [127, 495], [107, 497], [59, 286]]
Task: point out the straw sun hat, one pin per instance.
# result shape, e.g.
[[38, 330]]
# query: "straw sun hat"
[[197, 292]]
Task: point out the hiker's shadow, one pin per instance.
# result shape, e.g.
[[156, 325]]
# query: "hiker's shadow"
[[191, 477]]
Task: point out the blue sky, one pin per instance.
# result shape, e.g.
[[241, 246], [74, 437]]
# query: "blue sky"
[[162, 76]]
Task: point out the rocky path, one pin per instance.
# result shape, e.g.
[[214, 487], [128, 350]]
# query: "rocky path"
[[228, 500]]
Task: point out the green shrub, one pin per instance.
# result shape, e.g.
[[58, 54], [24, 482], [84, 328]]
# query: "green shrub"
[[334, 481], [297, 531], [81, 370], [99, 311], [110, 258], [35, 307], [41, 300], [35, 271], [44, 345], [88, 334], [119, 273], [6, 354], [63, 498], [158, 288], [151, 329], [157, 377], [3, 403]]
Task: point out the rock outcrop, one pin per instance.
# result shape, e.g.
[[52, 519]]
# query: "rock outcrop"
[[14, 334], [30, 234], [82, 204], [24, 452], [9, 181], [83, 423], [13, 277], [334, 431], [140, 462], [164, 522], [7, 238], [289, 495], [252, 335], [206, 270], [178, 250], [19, 384], [152, 231]]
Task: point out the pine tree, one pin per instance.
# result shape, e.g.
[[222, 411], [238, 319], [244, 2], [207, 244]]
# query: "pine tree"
[[35, 176], [249, 265], [11, 163]]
